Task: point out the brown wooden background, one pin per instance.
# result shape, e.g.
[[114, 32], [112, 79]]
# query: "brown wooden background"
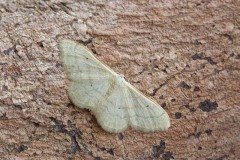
[[183, 54]]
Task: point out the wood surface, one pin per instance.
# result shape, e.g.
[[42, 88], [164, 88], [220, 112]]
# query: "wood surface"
[[183, 54]]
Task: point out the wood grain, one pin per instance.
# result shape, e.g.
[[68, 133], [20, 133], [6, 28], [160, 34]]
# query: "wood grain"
[[183, 54]]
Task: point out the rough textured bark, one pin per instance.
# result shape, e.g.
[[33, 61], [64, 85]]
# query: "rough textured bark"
[[183, 54]]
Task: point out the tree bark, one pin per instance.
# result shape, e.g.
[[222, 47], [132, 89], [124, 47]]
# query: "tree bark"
[[183, 54]]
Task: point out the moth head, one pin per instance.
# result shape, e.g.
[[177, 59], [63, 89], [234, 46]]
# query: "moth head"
[[120, 78]]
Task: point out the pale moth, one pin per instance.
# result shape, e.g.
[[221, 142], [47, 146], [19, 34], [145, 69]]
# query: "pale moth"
[[115, 103]]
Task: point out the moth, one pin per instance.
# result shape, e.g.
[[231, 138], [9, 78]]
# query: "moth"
[[115, 103]]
